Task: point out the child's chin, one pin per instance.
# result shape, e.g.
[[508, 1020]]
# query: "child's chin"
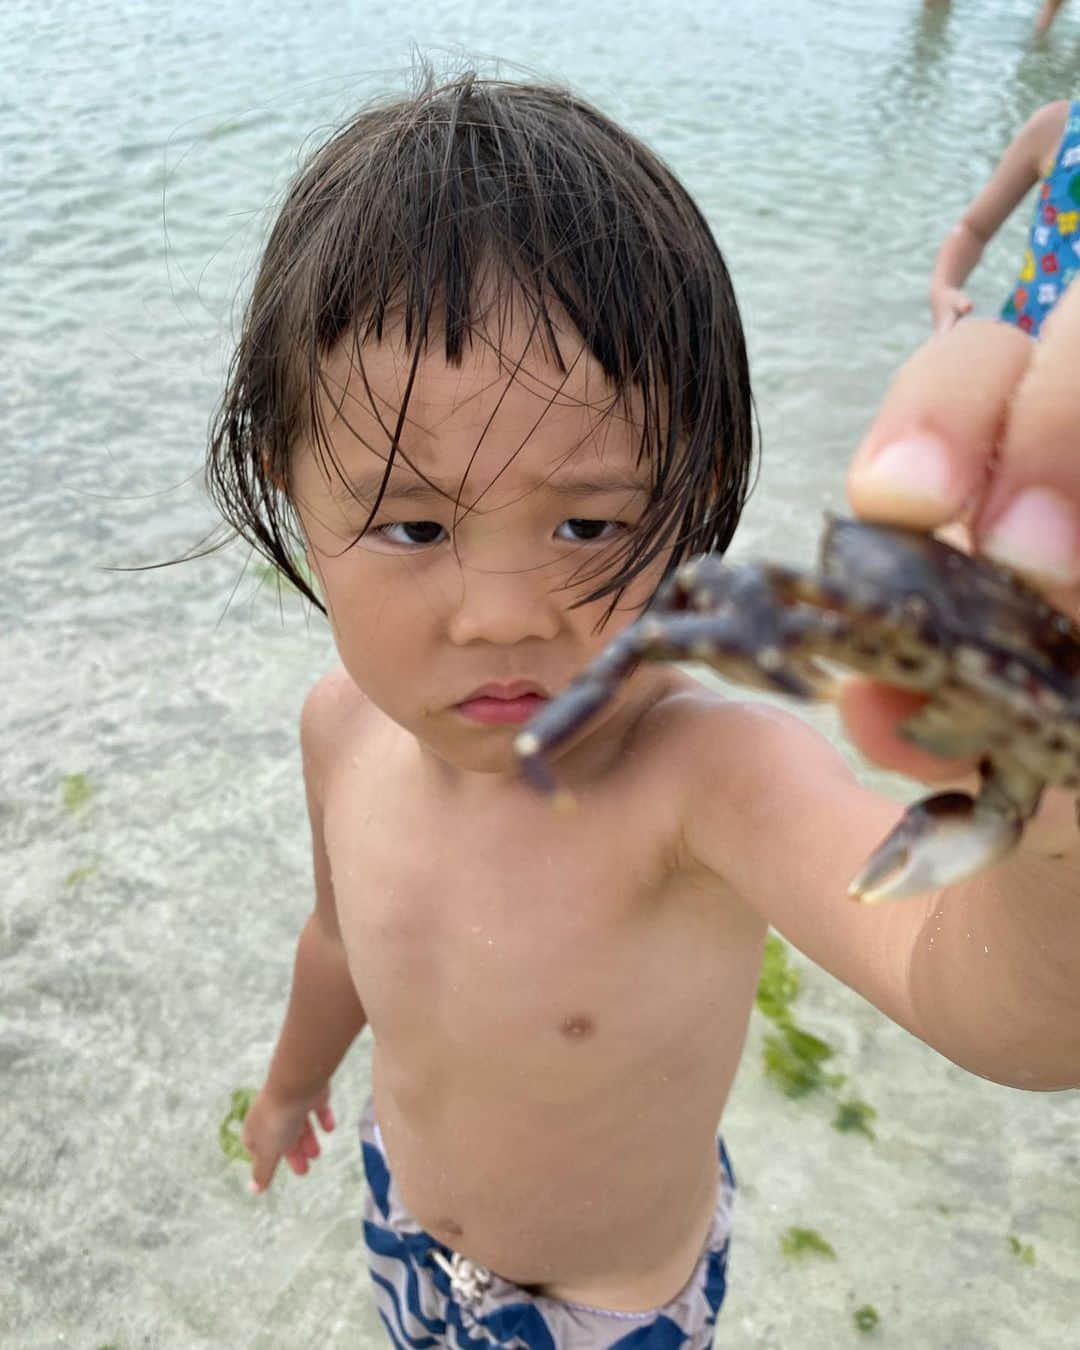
[[492, 751]]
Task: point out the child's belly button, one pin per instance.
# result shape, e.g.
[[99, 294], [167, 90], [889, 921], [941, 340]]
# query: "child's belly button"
[[556, 1232]]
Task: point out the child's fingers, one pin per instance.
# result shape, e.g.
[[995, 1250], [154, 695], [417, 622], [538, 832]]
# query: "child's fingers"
[[325, 1117], [926, 457], [1030, 517], [297, 1161], [305, 1149], [873, 713], [262, 1171]]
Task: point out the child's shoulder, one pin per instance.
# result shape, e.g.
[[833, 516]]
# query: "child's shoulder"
[[724, 744], [727, 779], [335, 713]]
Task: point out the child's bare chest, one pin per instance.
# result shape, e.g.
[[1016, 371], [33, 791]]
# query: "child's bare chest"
[[538, 924], [573, 950]]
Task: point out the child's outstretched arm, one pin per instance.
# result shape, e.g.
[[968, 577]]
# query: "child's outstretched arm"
[[324, 1015], [981, 423], [1018, 170], [996, 419]]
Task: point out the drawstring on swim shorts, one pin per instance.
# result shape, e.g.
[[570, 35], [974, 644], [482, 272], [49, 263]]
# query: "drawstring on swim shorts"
[[468, 1281]]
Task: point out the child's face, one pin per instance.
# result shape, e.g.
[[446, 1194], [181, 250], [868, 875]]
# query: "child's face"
[[437, 601]]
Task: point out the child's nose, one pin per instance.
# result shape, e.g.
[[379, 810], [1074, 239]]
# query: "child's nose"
[[504, 608]]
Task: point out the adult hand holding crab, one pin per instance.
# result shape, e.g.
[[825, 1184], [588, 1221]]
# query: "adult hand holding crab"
[[978, 439]]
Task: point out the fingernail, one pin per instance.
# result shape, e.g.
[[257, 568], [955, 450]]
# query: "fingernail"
[[918, 469], [254, 1188], [1039, 532]]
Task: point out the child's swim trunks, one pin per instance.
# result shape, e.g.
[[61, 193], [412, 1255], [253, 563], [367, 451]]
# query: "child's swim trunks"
[[427, 1295], [1052, 256]]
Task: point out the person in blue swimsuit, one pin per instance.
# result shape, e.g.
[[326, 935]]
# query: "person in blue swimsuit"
[[1046, 151]]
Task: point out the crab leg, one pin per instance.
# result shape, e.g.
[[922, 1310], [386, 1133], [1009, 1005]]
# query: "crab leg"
[[722, 641], [949, 837], [563, 716]]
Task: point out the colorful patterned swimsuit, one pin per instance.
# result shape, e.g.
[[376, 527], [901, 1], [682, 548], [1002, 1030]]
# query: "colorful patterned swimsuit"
[[1052, 257]]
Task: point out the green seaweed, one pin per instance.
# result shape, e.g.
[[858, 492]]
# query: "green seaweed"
[[229, 1129], [854, 1116], [78, 875], [1023, 1251], [794, 1060], [799, 1242], [778, 984], [75, 791], [866, 1317]]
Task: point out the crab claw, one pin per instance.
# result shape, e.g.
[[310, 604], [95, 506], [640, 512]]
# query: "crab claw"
[[940, 840]]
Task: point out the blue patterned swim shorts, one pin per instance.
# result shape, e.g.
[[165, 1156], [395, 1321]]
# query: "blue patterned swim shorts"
[[428, 1295]]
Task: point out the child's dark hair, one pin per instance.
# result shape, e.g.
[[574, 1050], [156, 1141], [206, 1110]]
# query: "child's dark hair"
[[415, 218]]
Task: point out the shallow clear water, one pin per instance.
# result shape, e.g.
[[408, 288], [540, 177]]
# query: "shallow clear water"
[[146, 935]]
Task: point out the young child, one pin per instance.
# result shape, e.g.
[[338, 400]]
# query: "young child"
[[492, 383], [1046, 150]]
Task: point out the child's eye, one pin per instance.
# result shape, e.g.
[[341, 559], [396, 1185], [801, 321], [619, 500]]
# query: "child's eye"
[[414, 532], [580, 531]]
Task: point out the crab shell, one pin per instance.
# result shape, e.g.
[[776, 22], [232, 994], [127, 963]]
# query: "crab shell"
[[999, 665]]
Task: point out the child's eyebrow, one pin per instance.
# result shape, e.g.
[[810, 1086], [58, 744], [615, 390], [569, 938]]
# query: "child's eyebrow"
[[590, 484]]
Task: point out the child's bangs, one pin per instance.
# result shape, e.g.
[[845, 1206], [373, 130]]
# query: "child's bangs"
[[499, 312]]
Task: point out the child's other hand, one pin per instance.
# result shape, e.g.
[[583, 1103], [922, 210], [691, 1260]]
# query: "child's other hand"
[[948, 305], [276, 1129], [980, 431]]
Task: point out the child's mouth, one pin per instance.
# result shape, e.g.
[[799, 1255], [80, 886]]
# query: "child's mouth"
[[502, 705]]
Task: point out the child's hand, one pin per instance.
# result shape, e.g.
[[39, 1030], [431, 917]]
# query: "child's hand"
[[980, 429], [948, 305], [276, 1129]]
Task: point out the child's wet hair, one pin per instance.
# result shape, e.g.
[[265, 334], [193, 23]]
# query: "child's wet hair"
[[423, 218]]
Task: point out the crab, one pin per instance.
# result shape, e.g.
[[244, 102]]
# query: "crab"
[[998, 667]]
